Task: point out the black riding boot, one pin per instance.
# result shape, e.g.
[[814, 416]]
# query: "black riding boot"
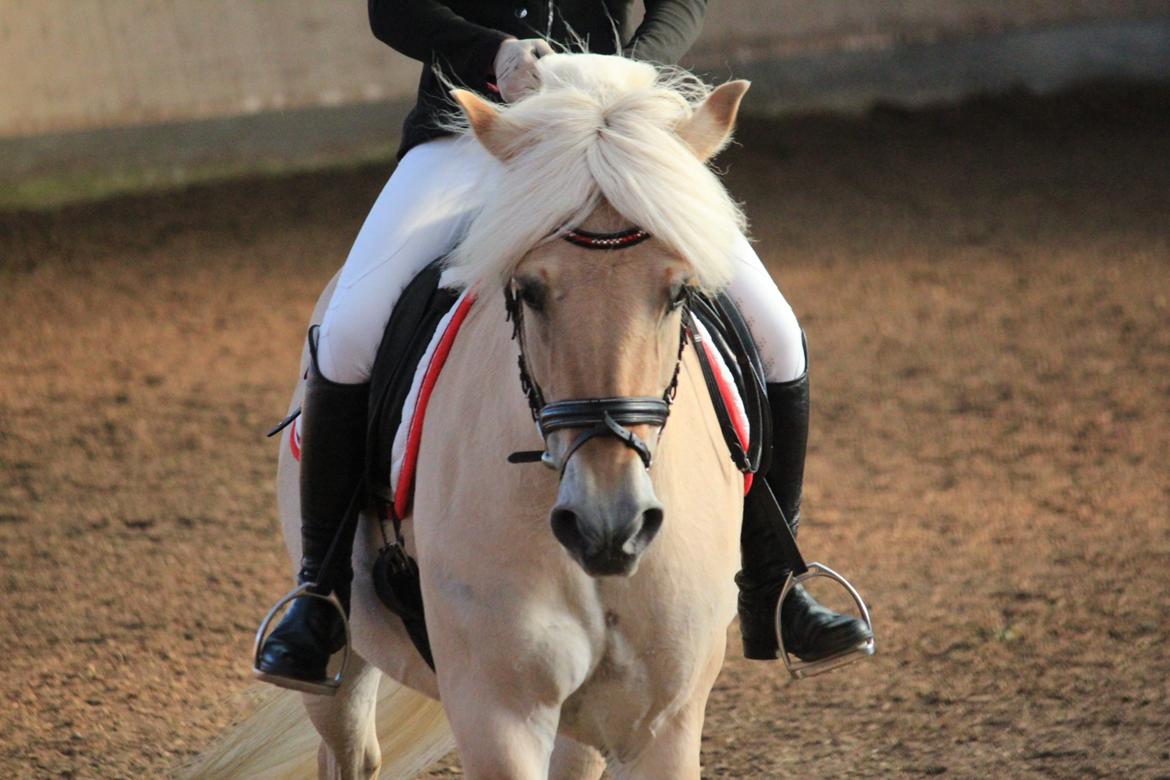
[[811, 631], [333, 436]]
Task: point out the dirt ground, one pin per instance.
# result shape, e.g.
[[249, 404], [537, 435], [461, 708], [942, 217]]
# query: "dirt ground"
[[986, 290]]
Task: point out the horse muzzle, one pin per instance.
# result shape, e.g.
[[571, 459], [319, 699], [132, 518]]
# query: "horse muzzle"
[[606, 530]]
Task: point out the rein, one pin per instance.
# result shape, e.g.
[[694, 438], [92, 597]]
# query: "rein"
[[598, 416]]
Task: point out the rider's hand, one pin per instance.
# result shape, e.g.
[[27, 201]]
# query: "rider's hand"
[[516, 73]]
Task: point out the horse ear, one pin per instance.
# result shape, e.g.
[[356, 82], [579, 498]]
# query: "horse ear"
[[485, 122], [709, 128]]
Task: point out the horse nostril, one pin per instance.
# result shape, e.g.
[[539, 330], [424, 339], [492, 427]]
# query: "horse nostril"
[[603, 545], [644, 531], [651, 522], [565, 526]]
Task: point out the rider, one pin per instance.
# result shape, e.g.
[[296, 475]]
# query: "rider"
[[491, 46]]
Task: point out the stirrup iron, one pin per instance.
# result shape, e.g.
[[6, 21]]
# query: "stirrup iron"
[[800, 669], [329, 687]]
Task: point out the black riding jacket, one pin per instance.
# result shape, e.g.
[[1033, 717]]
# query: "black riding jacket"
[[462, 37]]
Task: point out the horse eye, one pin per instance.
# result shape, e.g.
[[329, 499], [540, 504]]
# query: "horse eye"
[[678, 295], [532, 294]]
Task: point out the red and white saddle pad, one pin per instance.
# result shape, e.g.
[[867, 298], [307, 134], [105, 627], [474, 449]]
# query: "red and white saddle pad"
[[404, 459], [728, 391]]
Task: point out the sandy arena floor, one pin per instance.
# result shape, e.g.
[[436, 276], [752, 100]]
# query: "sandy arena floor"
[[986, 290]]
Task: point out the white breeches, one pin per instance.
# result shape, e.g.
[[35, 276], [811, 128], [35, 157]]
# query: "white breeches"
[[421, 214]]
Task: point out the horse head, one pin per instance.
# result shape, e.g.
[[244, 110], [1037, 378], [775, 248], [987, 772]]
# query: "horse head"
[[601, 333], [603, 325]]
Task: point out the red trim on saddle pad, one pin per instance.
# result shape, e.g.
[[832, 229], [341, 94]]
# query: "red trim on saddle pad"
[[731, 401], [403, 491], [294, 439]]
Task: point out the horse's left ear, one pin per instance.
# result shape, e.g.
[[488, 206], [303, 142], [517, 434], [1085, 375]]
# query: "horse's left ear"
[[708, 129], [485, 121]]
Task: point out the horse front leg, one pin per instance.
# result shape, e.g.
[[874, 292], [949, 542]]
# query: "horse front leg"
[[498, 740]]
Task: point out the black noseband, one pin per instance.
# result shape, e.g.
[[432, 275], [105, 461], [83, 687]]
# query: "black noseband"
[[590, 411], [604, 417]]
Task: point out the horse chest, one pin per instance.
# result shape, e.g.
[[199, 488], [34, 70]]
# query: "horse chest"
[[639, 682]]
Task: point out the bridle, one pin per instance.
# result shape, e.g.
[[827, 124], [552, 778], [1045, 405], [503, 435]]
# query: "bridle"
[[597, 416]]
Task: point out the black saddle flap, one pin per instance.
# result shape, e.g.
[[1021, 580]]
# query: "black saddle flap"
[[416, 316]]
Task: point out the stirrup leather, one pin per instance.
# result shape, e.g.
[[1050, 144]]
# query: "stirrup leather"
[[800, 669], [329, 687]]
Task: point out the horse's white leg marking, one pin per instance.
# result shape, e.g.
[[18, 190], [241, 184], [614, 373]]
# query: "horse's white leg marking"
[[345, 722], [573, 761]]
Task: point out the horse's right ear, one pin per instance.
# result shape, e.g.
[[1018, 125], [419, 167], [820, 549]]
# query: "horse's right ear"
[[485, 122], [709, 128]]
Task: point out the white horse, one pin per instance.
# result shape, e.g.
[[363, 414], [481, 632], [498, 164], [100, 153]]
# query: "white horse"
[[592, 640]]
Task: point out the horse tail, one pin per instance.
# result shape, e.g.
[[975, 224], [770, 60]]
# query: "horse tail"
[[277, 740]]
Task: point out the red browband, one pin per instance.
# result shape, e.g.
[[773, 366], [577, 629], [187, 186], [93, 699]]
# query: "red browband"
[[621, 240]]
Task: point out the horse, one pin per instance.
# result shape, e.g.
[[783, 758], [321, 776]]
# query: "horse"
[[577, 615]]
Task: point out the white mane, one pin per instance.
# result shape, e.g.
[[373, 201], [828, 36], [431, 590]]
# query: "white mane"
[[600, 128]]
